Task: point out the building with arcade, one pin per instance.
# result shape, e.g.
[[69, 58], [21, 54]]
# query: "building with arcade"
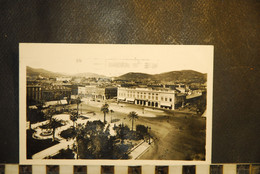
[[158, 98]]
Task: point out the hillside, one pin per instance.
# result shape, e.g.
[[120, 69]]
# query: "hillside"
[[132, 76], [41, 72], [87, 75], [44, 73], [187, 76]]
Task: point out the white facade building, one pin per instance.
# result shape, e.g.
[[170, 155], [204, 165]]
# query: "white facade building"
[[162, 98], [63, 78], [82, 90]]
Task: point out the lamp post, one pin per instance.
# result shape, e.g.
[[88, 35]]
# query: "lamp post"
[[149, 130], [81, 108], [143, 108]]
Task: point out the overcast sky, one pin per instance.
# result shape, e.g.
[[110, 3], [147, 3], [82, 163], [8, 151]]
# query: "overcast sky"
[[115, 60]]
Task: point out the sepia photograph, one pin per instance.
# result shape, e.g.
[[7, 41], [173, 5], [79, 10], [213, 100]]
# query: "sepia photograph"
[[115, 103]]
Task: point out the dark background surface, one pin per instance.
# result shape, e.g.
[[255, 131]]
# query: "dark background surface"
[[232, 26]]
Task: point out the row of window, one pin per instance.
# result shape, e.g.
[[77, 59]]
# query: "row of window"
[[133, 92], [144, 96]]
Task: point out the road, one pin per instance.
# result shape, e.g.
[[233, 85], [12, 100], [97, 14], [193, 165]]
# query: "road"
[[177, 136]]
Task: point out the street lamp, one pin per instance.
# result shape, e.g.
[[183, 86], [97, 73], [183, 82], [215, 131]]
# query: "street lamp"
[[143, 108], [81, 108], [149, 131]]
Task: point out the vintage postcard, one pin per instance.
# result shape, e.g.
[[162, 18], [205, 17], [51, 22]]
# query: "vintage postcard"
[[115, 104]]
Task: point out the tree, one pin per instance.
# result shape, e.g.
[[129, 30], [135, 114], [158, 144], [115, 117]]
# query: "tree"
[[49, 114], [133, 116], [141, 130], [40, 104], [73, 117], [105, 110], [54, 123], [78, 102]]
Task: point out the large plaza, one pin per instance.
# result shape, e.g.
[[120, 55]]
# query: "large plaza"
[[174, 135]]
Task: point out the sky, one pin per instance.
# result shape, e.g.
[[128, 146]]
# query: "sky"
[[114, 60]]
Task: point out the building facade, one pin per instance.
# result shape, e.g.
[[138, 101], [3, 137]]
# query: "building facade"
[[159, 98], [98, 93], [95, 93], [33, 93], [38, 93]]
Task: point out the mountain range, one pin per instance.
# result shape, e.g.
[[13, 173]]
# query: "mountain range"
[[44, 73], [187, 76], [41, 72]]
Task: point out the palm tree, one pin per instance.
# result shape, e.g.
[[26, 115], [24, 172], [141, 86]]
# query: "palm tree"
[[73, 117], [49, 114], [133, 115], [105, 110], [54, 124], [111, 111]]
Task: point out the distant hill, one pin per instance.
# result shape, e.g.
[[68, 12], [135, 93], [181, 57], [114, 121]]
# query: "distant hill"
[[87, 75], [42, 72], [132, 76], [188, 76]]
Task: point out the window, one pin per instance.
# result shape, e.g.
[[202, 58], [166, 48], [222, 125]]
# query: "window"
[[156, 98], [149, 97], [170, 99], [162, 98], [165, 99]]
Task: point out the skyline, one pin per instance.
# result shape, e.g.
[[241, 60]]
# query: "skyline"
[[64, 74], [116, 60]]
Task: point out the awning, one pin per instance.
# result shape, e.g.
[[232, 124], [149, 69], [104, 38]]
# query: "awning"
[[33, 107], [130, 99], [121, 98], [193, 96], [63, 102], [51, 103], [165, 104], [73, 96]]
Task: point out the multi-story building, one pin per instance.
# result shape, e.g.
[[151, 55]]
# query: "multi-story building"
[[56, 92], [76, 89], [38, 93], [98, 93], [63, 78], [34, 94], [110, 92], [159, 98]]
